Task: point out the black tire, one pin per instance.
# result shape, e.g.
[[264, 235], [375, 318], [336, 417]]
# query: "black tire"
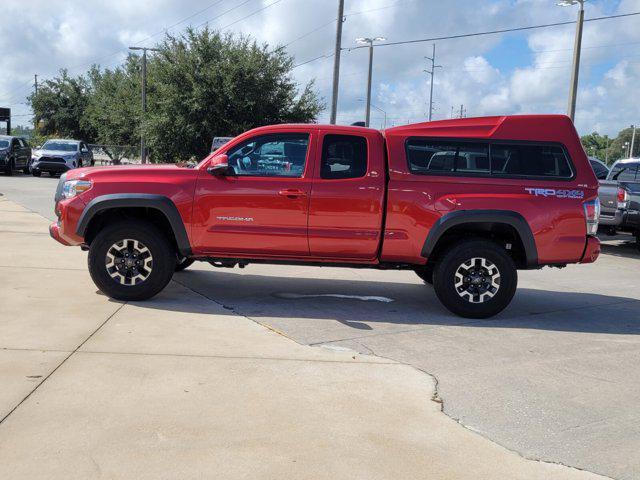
[[8, 170], [36, 173], [465, 300], [425, 272], [26, 169], [161, 266], [638, 240], [184, 263]]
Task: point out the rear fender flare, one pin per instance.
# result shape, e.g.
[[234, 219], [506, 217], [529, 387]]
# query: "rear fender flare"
[[507, 217]]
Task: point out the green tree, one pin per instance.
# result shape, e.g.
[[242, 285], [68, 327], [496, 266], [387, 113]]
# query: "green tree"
[[205, 84], [596, 145], [618, 149], [59, 107], [113, 106]]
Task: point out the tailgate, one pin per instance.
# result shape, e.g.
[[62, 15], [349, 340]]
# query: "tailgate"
[[608, 195]]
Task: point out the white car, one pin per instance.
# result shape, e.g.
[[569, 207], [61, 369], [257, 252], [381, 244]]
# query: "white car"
[[58, 156]]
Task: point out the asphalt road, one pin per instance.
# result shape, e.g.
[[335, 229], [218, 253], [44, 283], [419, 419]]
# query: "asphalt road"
[[561, 363]]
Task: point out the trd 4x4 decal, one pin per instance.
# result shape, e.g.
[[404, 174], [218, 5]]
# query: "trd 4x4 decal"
[[552, 192]]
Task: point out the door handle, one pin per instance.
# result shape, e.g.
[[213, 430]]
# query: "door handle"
[[291, 193]]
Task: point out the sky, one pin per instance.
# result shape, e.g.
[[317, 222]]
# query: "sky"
[[509, 73]]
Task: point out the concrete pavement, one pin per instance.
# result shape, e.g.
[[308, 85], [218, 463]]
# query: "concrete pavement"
[[183, 387]]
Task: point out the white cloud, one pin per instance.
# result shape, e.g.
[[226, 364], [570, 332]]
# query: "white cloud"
[[42, 36]]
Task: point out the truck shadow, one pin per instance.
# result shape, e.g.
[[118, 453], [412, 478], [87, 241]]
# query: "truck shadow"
[[289, 301]]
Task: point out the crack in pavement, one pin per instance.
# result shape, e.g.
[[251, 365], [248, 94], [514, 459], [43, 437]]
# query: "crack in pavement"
[[237, 357], [60, 364]]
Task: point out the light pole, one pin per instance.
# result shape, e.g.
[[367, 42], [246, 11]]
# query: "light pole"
[[432, 73], [380, 110], [143, 150], [577, 45], [336, 63], [369, 41], [633, 140]]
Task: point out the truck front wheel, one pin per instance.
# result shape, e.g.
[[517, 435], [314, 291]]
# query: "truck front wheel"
[[131, 261], [475, 279]]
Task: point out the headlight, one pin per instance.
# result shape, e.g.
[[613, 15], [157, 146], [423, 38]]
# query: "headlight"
[[72, 188]]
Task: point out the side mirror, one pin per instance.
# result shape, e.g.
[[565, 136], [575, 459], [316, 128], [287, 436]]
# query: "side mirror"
[[220, 167]]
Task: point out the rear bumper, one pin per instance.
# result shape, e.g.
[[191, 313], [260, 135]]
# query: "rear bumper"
[[611, 218], [591, 250]]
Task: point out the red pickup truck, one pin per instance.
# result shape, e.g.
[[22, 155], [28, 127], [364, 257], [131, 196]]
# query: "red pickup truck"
[[464, 203]]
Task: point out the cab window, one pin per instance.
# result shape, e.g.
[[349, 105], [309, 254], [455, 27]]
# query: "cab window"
[[273, 155], [343, 156]]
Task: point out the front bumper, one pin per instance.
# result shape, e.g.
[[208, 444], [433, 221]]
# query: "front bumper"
[[50, 167], [591, 250], [54, 231]]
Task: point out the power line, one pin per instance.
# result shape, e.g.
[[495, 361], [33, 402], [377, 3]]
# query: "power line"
[[493, 32], [181, 21], [223, 13], [326, 55], [251, 14]]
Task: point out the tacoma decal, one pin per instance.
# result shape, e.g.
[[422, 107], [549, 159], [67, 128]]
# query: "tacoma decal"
[[552, 192], [236, 219]]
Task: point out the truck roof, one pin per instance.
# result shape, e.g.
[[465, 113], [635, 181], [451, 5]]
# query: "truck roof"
[[477, 127], [490, 127]]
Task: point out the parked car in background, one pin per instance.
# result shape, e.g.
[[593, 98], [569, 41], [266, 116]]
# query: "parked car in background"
[[219, 142], [57, 156], [620, 199], [15, 153], [599, 168]]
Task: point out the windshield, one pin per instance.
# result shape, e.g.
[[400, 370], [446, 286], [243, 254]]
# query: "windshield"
[[61, 146], [4, 143]]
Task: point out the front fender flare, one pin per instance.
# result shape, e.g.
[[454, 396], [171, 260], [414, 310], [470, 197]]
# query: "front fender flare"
[[128, 200]]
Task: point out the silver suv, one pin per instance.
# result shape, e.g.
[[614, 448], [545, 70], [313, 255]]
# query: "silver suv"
[[57, 156]]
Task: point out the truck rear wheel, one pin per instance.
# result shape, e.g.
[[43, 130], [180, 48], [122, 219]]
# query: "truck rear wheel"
[[131, 261], [475, 279]]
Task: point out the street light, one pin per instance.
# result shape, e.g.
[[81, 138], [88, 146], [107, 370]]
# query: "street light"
[[573, 91], [369, 41], [380, 110]]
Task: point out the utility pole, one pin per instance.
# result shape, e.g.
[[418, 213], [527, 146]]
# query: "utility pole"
[[431, 72], [573, 91], [462, 111], [633, 140], [369, 41], [336, 63], [143, 149], [35, 88]]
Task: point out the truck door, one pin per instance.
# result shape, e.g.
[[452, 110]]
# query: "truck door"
[[262, 210], [345, 213]]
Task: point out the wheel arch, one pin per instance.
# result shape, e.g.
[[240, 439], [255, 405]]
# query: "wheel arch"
[[505, 225], [157, 208]]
